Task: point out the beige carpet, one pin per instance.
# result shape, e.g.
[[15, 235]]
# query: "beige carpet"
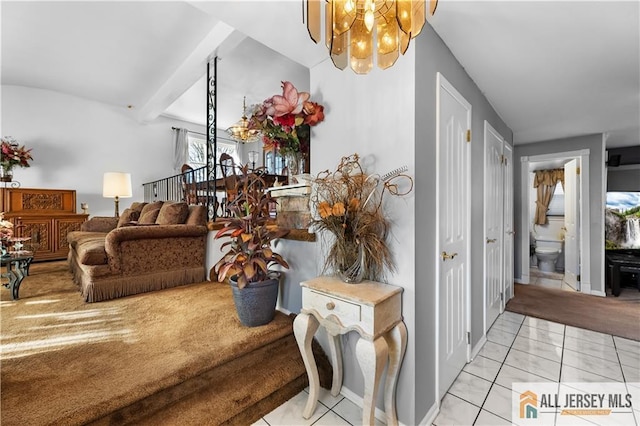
[[611, 315], [64, 361]]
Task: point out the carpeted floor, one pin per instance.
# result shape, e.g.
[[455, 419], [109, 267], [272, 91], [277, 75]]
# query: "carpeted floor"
[[64, 361], [619, 317]]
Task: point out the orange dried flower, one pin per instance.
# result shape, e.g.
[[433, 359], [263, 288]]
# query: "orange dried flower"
[[354, 204], [338, 209], [324, 209]]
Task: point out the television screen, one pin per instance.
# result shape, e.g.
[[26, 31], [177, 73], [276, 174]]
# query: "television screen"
[[622, 220]]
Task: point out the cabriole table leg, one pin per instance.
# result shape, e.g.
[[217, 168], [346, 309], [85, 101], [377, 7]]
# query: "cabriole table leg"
[[304, 328]]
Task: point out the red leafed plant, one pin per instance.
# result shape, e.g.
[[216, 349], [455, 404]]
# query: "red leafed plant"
[[250, 255]]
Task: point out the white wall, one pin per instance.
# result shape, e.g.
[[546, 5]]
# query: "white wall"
[[76, 140], [374, 115]]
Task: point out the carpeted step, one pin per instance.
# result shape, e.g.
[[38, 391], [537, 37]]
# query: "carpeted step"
[[238, 392], [65, 362]]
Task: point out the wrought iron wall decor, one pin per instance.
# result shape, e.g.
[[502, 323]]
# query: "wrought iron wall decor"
[[212, 139]]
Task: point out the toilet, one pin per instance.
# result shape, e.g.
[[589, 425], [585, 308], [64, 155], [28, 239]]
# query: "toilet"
[[547, 251]]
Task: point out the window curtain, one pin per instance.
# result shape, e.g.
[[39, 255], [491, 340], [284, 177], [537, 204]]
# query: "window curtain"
[[545, 181], [181, 149]]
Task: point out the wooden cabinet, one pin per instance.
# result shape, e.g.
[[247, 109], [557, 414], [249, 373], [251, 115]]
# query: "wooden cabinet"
[[45, 215]]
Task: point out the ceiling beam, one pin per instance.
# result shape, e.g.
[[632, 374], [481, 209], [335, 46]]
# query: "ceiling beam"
[[221, 39]]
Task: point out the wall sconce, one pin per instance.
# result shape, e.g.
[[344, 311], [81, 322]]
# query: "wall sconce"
[[116, 185]]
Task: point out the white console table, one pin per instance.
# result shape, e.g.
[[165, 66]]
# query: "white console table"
[[374, 311]]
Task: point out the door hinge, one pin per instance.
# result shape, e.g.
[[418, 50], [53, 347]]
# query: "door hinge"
[[468, 337], [469, 135], [578, 277], [577, 170], [501, 296]]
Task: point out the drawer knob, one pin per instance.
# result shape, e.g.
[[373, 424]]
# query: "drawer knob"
[[331, 306]]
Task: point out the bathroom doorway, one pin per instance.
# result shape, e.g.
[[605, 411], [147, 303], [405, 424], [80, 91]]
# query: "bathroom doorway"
[[562, 240]]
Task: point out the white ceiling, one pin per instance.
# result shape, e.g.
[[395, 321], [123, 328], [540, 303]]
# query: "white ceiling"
[[550, 69]]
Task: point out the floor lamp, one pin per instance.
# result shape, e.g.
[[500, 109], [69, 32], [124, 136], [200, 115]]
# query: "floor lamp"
[[116, 185]]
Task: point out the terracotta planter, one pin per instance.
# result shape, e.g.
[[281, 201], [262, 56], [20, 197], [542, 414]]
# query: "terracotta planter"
[[256, 302]]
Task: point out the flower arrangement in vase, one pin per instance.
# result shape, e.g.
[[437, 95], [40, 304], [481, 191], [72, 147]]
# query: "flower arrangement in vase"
[[285, 123], [349, 204], [11, 155]]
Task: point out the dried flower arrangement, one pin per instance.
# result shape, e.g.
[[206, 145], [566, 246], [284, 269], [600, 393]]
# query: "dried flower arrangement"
[[348, 204]]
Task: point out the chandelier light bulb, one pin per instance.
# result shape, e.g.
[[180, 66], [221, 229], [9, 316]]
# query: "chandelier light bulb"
[[369, 20], [349, 6]]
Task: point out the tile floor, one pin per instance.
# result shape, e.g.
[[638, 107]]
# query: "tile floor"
[[548, 279], [331, 411], [519, 349], [526, 349]]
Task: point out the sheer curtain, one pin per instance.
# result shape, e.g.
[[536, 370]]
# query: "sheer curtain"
[[545, 181], [181, 149]]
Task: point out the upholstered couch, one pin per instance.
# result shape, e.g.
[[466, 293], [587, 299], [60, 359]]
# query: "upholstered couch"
[[150, 247]]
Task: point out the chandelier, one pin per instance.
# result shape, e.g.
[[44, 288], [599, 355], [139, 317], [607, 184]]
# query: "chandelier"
[[241, 131], [350, 24]]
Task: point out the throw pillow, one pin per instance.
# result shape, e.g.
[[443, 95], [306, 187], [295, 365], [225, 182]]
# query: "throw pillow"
[[128, 215], [137, 206], [150, 213], [173, 214], [151, 206]]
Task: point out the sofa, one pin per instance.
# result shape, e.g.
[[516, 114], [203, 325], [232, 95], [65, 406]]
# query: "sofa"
[[151, 246]]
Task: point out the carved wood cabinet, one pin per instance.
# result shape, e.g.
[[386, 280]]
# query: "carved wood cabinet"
[[45, 215]]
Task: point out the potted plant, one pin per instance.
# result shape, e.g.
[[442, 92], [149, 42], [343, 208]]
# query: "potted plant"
[[249, 256]]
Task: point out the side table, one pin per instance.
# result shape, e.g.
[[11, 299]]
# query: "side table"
[[374, 311], [17, 265]]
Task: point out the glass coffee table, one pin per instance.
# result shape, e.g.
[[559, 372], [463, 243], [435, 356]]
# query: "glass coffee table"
[[15, 266]]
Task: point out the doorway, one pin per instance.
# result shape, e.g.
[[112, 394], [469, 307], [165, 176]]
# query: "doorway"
[[580, 252]]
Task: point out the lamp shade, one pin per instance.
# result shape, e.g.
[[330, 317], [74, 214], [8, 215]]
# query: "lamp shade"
[[116, 184]]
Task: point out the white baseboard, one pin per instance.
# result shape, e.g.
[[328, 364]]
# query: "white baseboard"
[[356, 399], [283, 310], [431, 415], [598, 293], [478, 347]]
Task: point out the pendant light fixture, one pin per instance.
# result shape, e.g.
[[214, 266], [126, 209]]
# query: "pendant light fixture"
[[350, 25], [240, 131]]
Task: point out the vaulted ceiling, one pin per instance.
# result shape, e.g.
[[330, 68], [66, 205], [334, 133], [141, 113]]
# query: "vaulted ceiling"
[[550, 69]]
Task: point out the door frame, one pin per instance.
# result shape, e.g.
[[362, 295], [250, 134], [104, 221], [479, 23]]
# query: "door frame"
[[511, 236], [443, 83], [585, 214]]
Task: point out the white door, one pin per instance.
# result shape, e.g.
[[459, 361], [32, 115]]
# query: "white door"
[[454, 122], [493, 227], [571, 253], [509, 232]]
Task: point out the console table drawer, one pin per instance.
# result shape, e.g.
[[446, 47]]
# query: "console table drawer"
[[326, 305]]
